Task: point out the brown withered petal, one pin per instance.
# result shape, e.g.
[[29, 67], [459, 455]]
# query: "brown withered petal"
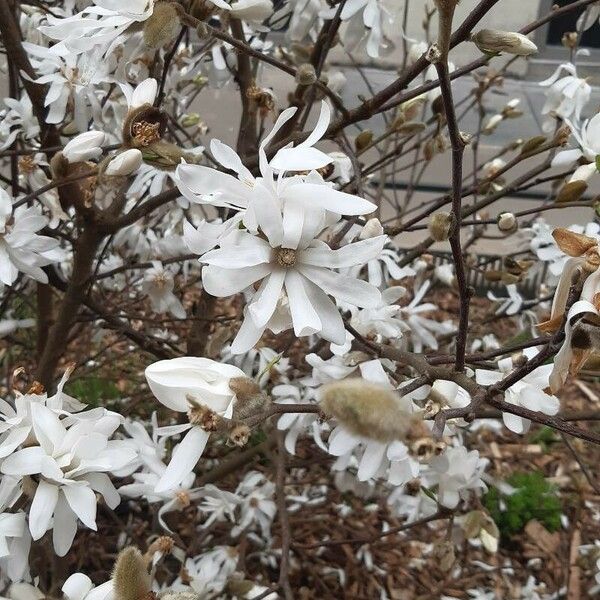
[[551, 325], [571, 243]]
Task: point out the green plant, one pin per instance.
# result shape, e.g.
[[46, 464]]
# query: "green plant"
[[534, 498], [93, 391]]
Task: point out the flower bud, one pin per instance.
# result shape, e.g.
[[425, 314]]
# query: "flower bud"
[[124, 163], [131, 580], [190, 120], [84, 146], [306, 74], [371, 229], [507, 222], [162, 26], [363, 140], [572, 191], [440, 225], [492, 41], [492, 123], [569, 39], [367, 409]]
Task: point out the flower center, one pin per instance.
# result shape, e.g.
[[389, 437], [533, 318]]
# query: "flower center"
[[27, 165], [286, 257], [145, 133]]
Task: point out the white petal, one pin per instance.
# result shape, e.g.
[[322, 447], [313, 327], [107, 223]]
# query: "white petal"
[[77, 586], [42, 509], [82, 501], [184, 459]]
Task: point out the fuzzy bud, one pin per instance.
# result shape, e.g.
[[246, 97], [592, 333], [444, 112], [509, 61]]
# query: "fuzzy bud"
[[131, 580], [491, 41], [162, 26], [507, 222], [163, 155], [366, 409], [306, 74], [440, 225]]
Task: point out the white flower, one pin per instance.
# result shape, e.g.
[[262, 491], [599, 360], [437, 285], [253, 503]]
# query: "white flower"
[[456, 472], [565, 97], [421, 328], [19, 119], [158, 284], [365, 22], [384, 320], [21, 248], [257, 506], [84, 146], [528, 392], [97, 25], [291, 259], [71, 457], [207, 381], [588, 138], [124, 163]]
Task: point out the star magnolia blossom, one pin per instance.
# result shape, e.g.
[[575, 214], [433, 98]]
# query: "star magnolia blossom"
[[97, 25], [71, 458], [21, 248], [279, 247], [566, 96], [207, 382], [527, 393], [588, 138]]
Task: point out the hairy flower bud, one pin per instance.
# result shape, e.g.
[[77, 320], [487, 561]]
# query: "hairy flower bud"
[[366, 409], [131, 580], [162, 26], [440, 225], [492, 40], [306, 74], [507, 222]]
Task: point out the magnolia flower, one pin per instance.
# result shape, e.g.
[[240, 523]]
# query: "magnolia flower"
[[588, 138], [293, 261], [421, 328], [97, 25], [365, 24], [565, 97], [84, 146], [257, 506], [18, 119], [204, 381], [456, 472], [158, 284], [71, 459], [21, 248], [527, 392]]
